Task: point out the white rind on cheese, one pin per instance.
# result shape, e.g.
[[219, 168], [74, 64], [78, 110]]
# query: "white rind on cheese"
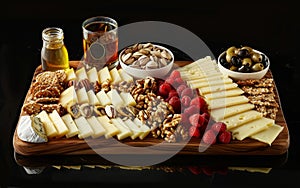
[[68, 120], [251, 128], [227, 101], [27, 133], [241, 118], [222, 113], [269, 135], [84, 127]]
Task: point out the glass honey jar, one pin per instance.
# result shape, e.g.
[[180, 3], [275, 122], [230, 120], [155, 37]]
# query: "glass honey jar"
[[54, 54]]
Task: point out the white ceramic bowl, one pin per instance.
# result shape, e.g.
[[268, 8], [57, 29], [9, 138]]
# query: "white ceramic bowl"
[[143, 73], [241, 75]]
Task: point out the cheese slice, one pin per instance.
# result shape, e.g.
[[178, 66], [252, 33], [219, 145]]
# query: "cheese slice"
[[70, 74], [68, 96], [81, 74], [217, 88], [251, 128], [82, 95], [222, 113], [115, 76], [222, 94], [60, 125], [98, 129], [188, 76], [103, 98], [92, 98], [111, 129], [227, 101], [124, 76], [268, 135], [48, 124], [84, 127], [144, 128], [128, 99], [104, 75], [195, 84], [201, 61], [208, 79], [92, 75], [241, 118], [124, 130], [68, 120], [134, 128], [116, 99]]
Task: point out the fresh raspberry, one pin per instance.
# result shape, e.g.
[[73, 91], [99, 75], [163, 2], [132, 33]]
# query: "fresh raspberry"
[[193, 109], [164, 89], [194, 132], [185, 101], [200, 102], [180, 88], [209, 171], [175, 74], [206, 116], [195, 169], [178, 81], [196, 120], [224, 137], [185, 120], [187, 92], [175, 103], [172, 93], [209, 137], [218, 127], [170, 81]]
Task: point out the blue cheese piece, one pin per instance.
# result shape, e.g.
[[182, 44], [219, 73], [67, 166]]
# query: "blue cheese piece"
[[31, 129]]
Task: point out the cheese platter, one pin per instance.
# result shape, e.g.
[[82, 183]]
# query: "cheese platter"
[[71, 112]]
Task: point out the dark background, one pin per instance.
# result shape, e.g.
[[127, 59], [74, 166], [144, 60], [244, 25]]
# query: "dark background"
[[269, 26]]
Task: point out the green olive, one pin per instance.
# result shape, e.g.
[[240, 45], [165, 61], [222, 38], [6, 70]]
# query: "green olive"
[[231, 50], [249, 49], [229, 56], [257, 67], [256, 57], [233, 68], [247, 62]]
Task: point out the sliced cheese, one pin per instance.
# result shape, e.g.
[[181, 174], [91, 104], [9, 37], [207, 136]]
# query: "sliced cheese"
[[115, 76], [81, 74], [188, 76], [144, 128], [48, 124], [111, 129], [92, 75], [82, 95], [128, 99], [68, 96], [103, 98], [222, 113], [70, 74], [124, 131], [124, 76], [116, 99], [195, 85], [208, 79], [241, 118], [59, 124], [217, 88], [222, 94], [98, 129], [68, 120], [227, 101], [92, 98], [134, 128], [268, 135], [84, 127], [104, 75], [251, 128]]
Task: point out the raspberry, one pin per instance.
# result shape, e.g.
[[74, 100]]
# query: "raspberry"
[[185, 120], [194, 132], [224, 137], [185, 101], [195, 169], [175, 74], [187, 92], [193, 109], [164, 89], [170, 81], [180, 88], [196, 120], [171, 94], [218, 127], [175, 103], [178, 81], [209, 137], [200, 102]]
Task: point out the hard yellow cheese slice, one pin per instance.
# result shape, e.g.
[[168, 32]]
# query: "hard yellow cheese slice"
[[128, 99], [125, 77], [104, 75], [222, 113], [92, 98], [241, 118], [217, 88], [82, 95], [48, 124], [134, 128], [93, 75], [68, 96], [196, 84], [98, 129], [116, 78], [103, 98], [227, 101], [124, 131], [70, 74], [144, 128], [222, 94], [251, 128], [59, 124], [81, 74], [268, 135], [111, 129], [84, 127], [68, 120]]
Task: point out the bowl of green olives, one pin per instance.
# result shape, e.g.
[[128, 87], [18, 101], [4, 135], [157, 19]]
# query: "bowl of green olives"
[[241, 63]]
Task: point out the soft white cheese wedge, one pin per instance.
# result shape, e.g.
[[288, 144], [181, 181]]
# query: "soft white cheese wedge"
[[31, 129], [68, 120], [59, 124], [124, 131], [92, 75], [103, 98], [268, 135], [93, 100], [104, 75], [48, 124], [251, 128], [81, 74], [222, 113], [241, 118], [116, 78], [84, 127], [97, 127], [111, 129], [82, 95]]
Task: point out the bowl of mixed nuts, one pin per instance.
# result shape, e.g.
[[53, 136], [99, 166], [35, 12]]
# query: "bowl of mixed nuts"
[[146, 59]]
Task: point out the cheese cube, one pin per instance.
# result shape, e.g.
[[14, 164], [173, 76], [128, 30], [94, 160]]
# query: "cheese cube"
[[110, 129], [116, 78], [103, 98], [134, 128], [92, 75], [93, 100], [104, 75], [59, 124], [82, 95], [251, 128], [241, 118], [81, 74], [268, 135], [128, 99], [84, 127], [98, 129], [222, 113], [124, 131], [144, 128], [226, 102], [48, 124], [124, 76], [70, 74], [68, 120]]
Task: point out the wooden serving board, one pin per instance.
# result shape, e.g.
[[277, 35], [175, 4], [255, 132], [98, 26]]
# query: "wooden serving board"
[[75, 146]]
